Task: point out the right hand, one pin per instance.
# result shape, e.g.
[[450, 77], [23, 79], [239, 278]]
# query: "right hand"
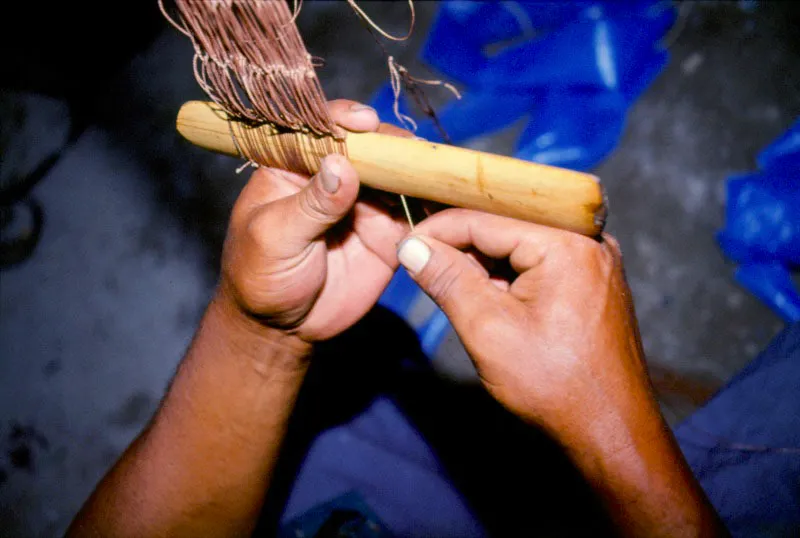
[[558, 345]]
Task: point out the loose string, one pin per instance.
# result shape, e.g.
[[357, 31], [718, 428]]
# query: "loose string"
[[250, 59], [360, 12], [399, 79], [678, 27], [398, 75], [396, 81], [248, 162]]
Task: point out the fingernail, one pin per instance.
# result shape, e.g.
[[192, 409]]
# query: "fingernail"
[[413, 254], [358, 107], [329, 173]]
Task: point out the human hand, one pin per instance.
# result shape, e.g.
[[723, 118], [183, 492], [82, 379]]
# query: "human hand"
[[309, 257], [558, 343]]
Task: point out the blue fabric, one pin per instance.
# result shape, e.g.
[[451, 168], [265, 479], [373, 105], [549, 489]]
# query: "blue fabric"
[[762, 225], [380, 454], [400, 296], [386, 460], [348, 515], [755, 490]]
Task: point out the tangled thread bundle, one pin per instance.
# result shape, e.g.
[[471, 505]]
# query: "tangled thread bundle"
[[251, 61]]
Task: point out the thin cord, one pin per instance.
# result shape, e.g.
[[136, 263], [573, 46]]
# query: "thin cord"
[[413, 90], [678, 27], [399, 76], [251, 60], [396, 80], [377, 28], [181, 29], [407, 211]]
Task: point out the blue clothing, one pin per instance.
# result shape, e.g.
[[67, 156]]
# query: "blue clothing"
[[396, 455], [744, 445]]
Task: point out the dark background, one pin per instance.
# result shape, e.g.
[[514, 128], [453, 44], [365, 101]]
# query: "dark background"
[[94, 322]]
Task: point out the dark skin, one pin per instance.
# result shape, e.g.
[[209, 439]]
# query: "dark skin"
[[292, 277]]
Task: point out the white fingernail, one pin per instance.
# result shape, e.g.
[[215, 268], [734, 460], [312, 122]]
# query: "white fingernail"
[[413, 254]]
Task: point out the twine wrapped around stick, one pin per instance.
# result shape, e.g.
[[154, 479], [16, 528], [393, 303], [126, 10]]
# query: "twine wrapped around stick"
[[269, 108], [250, 59]]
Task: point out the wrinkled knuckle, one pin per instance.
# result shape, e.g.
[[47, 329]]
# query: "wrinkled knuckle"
[[313, 206], [442, 280]]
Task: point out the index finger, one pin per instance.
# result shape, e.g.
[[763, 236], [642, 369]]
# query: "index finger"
[[524, 243]]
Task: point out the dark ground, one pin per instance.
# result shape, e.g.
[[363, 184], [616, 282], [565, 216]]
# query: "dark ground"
[[92, 326]]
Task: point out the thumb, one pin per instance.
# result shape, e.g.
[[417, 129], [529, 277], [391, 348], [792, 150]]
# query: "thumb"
[[457, 284], [323, 202]]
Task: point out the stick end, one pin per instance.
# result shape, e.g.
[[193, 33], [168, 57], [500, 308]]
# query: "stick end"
[[601, 213]]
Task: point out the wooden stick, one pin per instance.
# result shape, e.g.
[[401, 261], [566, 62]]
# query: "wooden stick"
[[451, 175]]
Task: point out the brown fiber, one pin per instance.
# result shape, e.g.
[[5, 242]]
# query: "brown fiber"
[[251, 60]]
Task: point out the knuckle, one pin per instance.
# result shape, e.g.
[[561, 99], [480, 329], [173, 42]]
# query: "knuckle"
[[255, 195], [242, 208], [459, 212], [312, 205], [448, 213], [260, 230], [579, 248], [441, 281]]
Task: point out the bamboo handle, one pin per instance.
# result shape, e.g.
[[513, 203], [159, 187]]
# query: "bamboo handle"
[[447, 174]]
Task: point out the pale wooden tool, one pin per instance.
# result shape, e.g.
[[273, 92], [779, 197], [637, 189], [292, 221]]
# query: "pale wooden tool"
[[451, 175]]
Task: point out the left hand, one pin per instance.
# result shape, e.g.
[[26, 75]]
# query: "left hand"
[[305, 256]]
